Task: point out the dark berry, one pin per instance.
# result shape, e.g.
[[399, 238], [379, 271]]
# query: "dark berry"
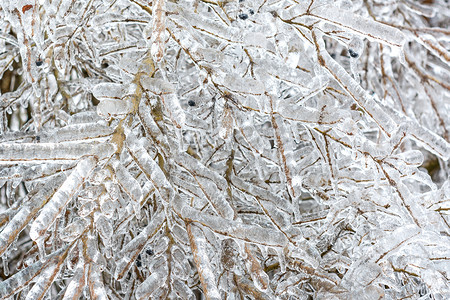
[[243, 16], [138, 261], [191, 103], [251, 11], [353, 53], [39, 63], [149, 251]]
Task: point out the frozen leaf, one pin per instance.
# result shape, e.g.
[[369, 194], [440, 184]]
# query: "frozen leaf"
[[76, 285], [61, 197], [169, 99], [207, 278], [96, 287], [365, 27], [49, 152], [43, 270], [158, 30], [105, 229], [27, 212], [134, 247], [130, 185], [250, 233]]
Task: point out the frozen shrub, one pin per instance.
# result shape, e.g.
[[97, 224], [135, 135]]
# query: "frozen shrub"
[[224, 149]]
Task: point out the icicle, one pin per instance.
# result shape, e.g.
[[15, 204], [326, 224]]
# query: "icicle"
[[281, 259], [5, 265], [41, 248]]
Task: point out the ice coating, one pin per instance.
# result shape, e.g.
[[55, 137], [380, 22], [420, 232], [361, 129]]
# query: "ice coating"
[[224, 149]]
